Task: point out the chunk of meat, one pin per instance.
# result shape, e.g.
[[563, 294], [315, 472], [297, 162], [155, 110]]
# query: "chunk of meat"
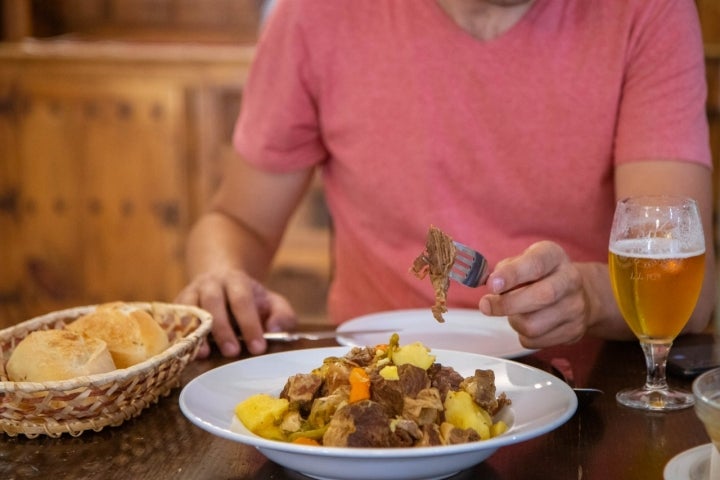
[[412, 379], [451, 435], [323, 408], [431, 436], [361, 356], [481, 388], [436, 261], [444, 379], [292, 421], [388, 393], [301, 389], [425, 408], [391, 394], [336, 375], [407, 433], [359, 424]]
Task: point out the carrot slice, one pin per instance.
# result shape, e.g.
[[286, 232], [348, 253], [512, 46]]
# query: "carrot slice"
[[359, 385], [306, 441]]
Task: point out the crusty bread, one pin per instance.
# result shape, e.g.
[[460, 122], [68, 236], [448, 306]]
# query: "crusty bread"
[[47, 355], [132, 336]]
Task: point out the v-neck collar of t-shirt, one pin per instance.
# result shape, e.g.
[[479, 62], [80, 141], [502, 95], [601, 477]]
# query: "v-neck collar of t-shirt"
[[446, 23]]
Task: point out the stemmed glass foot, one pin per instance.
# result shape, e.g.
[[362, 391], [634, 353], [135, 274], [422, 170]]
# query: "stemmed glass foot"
[[655, 395], [655, 400]]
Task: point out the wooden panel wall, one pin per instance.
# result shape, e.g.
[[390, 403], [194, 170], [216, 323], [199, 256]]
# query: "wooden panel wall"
[[177, 20], [105, 161], [709, 11]]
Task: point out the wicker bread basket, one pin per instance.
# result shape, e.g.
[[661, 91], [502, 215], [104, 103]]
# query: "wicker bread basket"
[[97, 401]]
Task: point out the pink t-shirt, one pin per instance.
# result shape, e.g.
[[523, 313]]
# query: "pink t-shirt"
[[499, 143]]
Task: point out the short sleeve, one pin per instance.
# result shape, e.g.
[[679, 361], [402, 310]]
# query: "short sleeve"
[[277, 128], [662, 112]]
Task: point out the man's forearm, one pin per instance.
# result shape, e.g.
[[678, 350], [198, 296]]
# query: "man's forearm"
[[218, 242]]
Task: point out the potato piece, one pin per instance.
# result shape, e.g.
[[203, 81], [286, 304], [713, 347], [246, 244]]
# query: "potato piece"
[[463, 412], [415, 354], [272, 432], [390, 372], [498, 428], [261, 412]]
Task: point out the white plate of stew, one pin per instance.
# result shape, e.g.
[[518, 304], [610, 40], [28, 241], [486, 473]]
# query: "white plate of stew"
[[540, 403]]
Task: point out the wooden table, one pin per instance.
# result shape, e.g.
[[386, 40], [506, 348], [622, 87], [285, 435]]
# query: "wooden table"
[[601, 441]]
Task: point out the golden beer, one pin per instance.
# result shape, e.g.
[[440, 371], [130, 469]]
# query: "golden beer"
[[657, 293]]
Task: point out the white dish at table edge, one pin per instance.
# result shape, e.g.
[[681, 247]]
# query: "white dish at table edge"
[[465, 330], [541, 403], [693, 464]]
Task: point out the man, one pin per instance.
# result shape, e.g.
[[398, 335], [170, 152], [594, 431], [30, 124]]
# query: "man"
[[512, 125]]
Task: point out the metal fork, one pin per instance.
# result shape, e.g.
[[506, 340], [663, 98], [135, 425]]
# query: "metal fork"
[[470, 267]]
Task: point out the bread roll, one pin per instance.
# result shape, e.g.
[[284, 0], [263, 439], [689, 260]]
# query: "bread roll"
[[47, 355], [132, 336]]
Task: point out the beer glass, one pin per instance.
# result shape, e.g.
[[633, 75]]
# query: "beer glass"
[[656, 262]]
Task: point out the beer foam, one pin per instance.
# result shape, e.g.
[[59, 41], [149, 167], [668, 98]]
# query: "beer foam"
[[656, 248]]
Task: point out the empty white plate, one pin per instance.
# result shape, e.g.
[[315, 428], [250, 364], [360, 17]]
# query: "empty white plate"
[[464, 330]]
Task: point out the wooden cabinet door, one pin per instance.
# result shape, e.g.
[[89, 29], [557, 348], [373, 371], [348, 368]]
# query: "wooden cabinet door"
[[101, 187], [10, 265]]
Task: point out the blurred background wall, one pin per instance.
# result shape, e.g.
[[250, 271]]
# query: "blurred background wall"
[[115, 121]]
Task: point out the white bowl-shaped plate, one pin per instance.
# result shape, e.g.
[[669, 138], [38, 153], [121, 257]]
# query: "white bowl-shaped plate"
[[693, 464], [540, 403], [465, 330]]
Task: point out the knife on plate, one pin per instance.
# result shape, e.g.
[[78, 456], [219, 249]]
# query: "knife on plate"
[[321, 334]]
